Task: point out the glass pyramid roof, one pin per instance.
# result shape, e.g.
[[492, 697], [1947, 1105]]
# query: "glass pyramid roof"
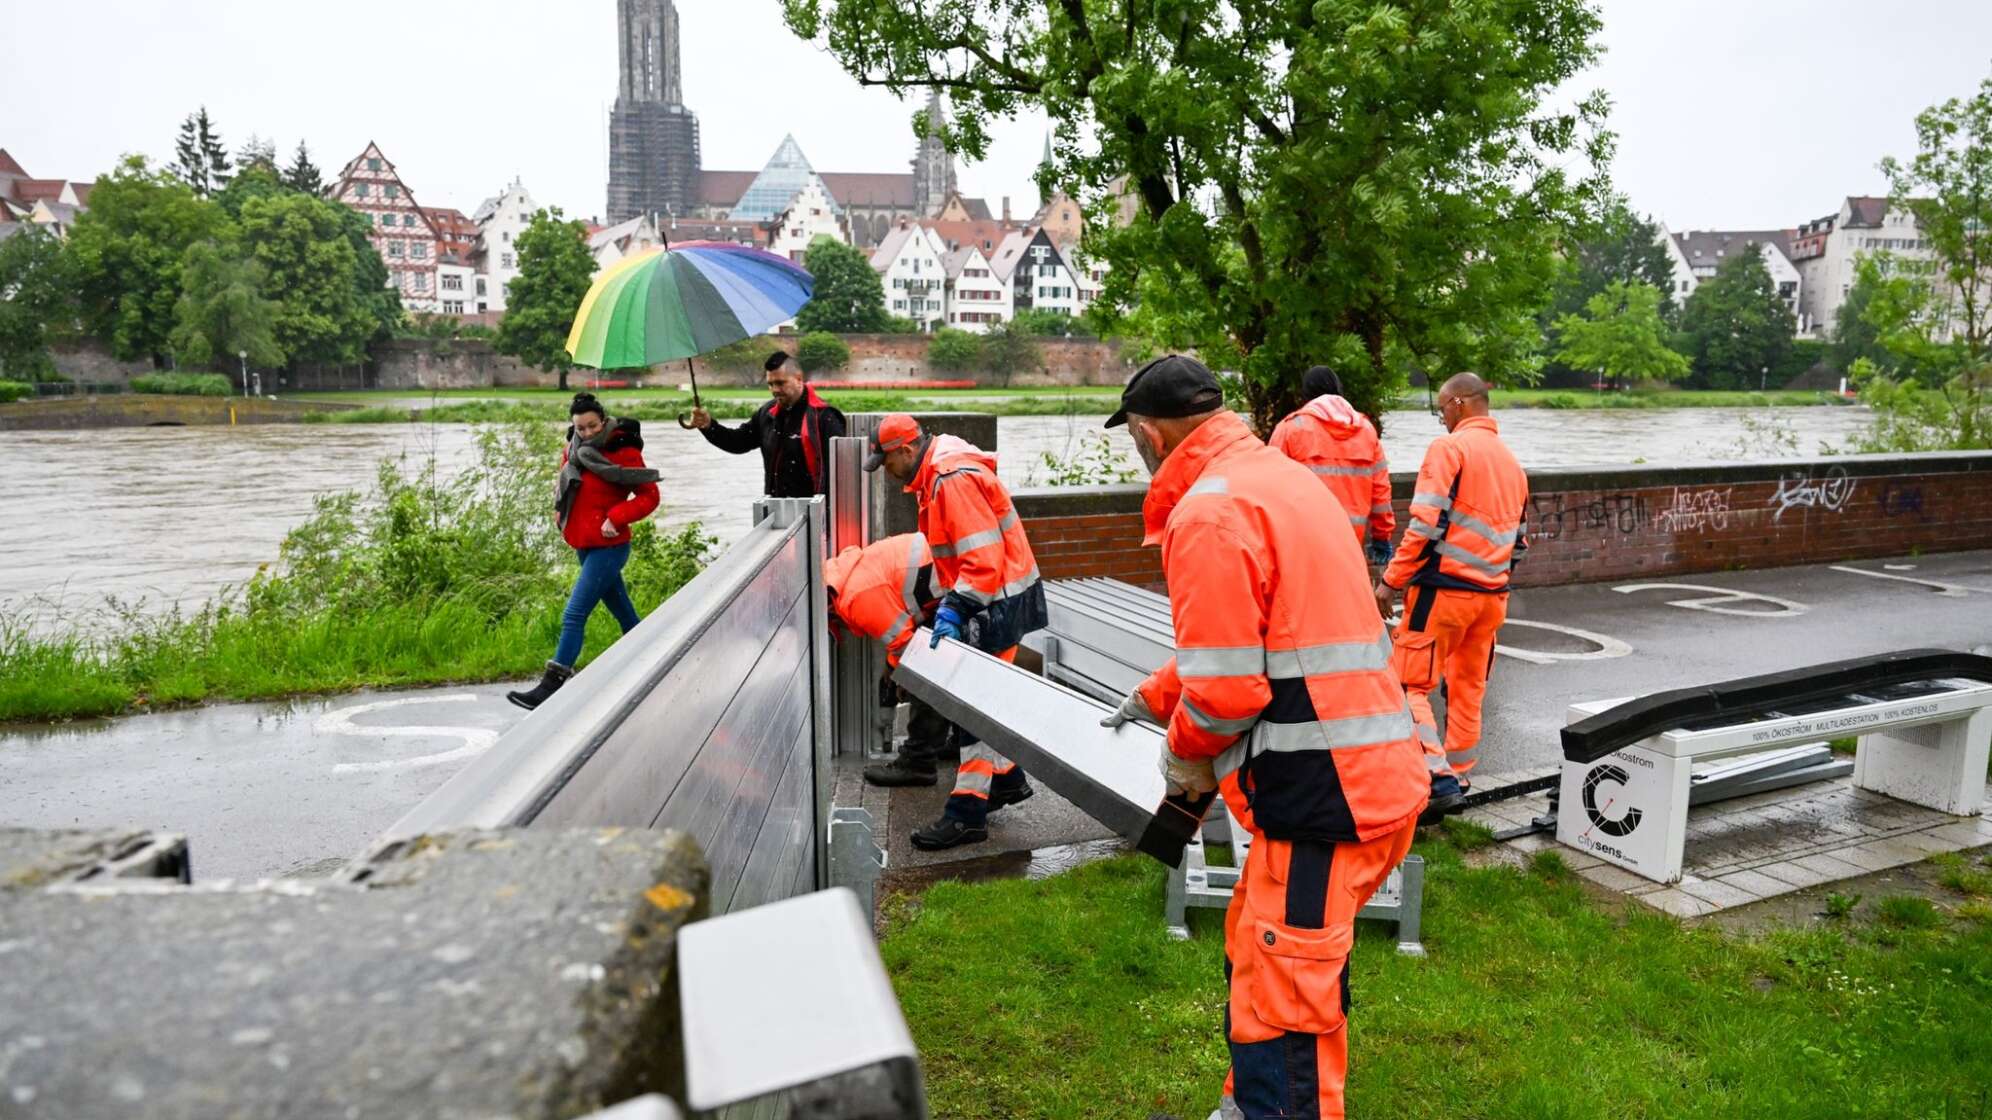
[[787, 172]]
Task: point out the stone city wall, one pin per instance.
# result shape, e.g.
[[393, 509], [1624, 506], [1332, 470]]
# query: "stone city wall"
[[1602, 523]]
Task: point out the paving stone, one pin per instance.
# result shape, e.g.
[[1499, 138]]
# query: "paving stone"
[[1756, 883], [1925, 842], [1533, 842], [1962, 834], [1719, 893], [1870, 859], [1897, 849], [1795, 873], [1679, 903], [1834, 869], [1576, 860], [1614, 877]]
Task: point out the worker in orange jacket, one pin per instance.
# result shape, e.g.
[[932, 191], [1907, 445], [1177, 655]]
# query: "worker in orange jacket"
[[884, 591], [991, 594], [1339, 444], [1467, 528], [1280, 694]]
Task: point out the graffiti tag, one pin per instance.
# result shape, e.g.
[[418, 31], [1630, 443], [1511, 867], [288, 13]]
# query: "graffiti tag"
[[1695, 509], [1550, 517], [1799, 490], [1898, 500]]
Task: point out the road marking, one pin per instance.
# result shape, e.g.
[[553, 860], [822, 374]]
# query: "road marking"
[[339, 721], [1717, 596], [1949, 590], [1607, 647]]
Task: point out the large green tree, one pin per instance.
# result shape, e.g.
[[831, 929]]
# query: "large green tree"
[[1735, 328], [849, 297], [326, 301], [555, 270], [1374, 185], [1620, 336], [200, 158], [126, 251], [35, 301], [302, 174], [1854, 337], [222, 312], [1947, 184]]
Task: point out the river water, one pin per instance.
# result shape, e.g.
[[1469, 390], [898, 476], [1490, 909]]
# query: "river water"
[[165, 515]]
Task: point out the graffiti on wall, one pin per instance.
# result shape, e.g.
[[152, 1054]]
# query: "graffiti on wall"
[[1553, 515], [1800, 490], [1900, 500], [1695, 510]]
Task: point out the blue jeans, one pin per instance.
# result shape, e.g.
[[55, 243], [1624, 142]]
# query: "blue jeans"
[[601, 582]]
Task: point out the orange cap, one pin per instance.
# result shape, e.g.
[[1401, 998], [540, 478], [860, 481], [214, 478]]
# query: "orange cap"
[[894, 432]]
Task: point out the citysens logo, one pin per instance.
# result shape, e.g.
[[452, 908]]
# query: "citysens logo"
[[1601, 816]]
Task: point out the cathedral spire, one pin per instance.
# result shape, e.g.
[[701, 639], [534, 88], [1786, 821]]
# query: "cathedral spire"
[[933, 164]]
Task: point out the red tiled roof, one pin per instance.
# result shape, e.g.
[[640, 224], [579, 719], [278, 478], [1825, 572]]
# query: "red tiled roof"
[[9, 167], [984, 235], [82, 192], [1866, 211], [31, 190], [724, 188], [870, 188]]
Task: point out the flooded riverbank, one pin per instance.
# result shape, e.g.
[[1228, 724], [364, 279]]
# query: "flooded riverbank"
[[169, 515]]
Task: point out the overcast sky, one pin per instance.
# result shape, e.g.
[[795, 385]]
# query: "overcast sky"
[[1738, 114]]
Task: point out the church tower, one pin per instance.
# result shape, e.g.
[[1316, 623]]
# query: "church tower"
[[933, 166], [653, 139]]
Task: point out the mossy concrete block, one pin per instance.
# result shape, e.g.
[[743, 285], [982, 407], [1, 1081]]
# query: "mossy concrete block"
[[479, 974]]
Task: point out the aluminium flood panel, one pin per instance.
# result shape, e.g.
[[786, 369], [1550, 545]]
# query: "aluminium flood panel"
[[1051, 731], [785, 995]]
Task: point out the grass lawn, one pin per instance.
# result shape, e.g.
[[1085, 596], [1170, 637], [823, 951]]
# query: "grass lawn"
[[1065, 998]]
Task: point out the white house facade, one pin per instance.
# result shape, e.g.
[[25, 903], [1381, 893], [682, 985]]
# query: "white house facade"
[[911, 263], [808, 216], [500, 220], [976, 297], [1827, 252]]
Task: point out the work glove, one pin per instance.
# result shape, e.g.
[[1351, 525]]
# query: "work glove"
[[1186, 776], [1134, 707], [948, 623], [1378, 552]]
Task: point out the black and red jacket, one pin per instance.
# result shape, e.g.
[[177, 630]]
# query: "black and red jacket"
[[764, 430]]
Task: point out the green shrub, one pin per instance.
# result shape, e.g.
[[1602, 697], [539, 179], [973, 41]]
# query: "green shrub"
[[1561, 400], [15, 390], [953, 350], [183, 384], [822, 352]]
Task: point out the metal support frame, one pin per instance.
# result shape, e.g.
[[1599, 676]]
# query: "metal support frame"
[[1200, 884]]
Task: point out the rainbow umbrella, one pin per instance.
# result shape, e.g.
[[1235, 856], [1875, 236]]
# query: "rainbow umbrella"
[[681, 300]]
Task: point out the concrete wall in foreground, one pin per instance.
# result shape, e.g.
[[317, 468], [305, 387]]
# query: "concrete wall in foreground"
[[1600, 523]]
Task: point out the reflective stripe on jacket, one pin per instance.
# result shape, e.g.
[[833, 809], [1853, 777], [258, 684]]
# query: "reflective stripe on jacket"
[[1329, 437], [880, 589], [982, 560], [1282, 667], [1467, 513]]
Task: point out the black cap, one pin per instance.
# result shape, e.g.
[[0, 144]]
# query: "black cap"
[[1172, 385]]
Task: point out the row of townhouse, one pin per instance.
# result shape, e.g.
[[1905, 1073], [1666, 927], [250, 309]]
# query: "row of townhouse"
[[971, 274], [1812, 265]]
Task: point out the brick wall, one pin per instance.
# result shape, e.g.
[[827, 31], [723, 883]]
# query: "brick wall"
[[1605, 523]]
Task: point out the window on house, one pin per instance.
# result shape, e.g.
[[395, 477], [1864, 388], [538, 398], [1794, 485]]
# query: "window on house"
[[421, 281], [418, 248], [396, 248], [392, 191], [480, 287], [359, 190], [899, 305], [505, 260], [373, 164], [453, 283], [506, 237]]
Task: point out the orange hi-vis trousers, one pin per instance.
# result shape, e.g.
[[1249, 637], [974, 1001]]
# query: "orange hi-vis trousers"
[[1447, 635], [981, 771], [1287, 937]]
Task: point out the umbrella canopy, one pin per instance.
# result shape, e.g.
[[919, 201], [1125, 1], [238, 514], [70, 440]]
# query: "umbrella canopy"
[[682, 300]]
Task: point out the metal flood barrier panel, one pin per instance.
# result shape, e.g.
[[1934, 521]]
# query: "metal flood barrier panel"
[[712, 717]]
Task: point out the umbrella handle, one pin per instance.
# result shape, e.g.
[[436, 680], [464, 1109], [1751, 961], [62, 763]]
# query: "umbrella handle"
[[685, 418]]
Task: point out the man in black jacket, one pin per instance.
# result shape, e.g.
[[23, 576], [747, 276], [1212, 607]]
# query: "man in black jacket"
[[792, 431]]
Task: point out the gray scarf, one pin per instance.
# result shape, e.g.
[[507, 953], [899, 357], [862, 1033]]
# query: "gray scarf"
[[586, 454]]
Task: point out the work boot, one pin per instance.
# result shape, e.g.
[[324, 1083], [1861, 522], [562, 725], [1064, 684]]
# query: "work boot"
[[556, 675], [903, 771], [948, 833], [1447, 797], [1000, 796]]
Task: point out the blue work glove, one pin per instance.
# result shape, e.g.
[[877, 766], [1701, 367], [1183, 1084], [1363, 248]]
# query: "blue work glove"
[[1378, 552], [948, 623]]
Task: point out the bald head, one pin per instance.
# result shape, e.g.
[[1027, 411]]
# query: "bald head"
[[1463, 396]]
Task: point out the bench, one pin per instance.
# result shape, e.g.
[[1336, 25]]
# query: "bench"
[[1922, 719]]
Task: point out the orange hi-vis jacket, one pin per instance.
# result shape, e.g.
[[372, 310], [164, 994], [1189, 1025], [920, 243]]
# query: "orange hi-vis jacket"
[[882, 590], [1466, 528], [1329, 437], [1282, 666], [982, 560]]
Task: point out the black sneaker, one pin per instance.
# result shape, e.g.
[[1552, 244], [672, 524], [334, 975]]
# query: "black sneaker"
[[1438, 808], [1001, 797], [900, 772], [947, 833]]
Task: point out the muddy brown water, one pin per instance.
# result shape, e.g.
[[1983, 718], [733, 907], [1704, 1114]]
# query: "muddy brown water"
[[164, 515]]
